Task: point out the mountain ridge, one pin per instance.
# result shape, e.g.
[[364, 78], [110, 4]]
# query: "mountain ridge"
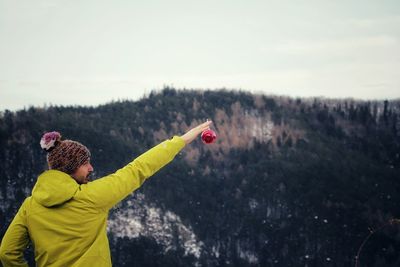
[[290, 181]]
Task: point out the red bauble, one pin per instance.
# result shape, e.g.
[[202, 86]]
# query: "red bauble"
[[208, 136]]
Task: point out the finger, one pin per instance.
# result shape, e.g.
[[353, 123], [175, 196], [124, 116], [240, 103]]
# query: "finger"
[[204, 125], [207, 123]]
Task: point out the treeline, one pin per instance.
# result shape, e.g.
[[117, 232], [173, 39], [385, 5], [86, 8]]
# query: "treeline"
[[290, 181]]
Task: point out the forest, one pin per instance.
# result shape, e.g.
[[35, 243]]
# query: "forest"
[[289, 181]]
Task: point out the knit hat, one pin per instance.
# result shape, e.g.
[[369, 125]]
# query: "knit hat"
[[64, 155]]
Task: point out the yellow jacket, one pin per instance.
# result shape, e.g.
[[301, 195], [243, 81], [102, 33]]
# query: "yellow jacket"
[[67, 221]]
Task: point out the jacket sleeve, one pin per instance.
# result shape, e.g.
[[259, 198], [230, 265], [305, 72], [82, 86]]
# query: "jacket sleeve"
[[109, 190], [15, 241]]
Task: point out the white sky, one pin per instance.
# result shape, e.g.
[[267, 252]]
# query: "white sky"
[[91, 52]]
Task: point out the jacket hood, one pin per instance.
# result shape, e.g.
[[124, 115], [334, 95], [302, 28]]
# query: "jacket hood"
[[53, 188]]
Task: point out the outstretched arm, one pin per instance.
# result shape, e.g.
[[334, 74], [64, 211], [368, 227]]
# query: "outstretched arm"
[[109, 190]]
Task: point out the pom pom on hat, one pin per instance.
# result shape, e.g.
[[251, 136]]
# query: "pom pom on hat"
[[49, 140]]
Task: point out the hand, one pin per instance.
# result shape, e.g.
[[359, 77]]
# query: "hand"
[[194, 132]]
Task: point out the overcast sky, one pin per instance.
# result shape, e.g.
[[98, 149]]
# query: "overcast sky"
[[91, 52]]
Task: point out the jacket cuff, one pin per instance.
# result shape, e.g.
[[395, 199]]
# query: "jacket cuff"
[[179, 141]]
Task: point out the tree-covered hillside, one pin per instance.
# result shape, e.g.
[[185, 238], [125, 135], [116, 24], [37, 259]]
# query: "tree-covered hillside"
[[289, 182]]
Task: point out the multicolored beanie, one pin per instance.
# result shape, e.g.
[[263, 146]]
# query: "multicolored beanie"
[[64, 155]]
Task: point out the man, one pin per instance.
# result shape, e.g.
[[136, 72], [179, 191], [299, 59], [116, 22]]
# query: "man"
[[66, 216]]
